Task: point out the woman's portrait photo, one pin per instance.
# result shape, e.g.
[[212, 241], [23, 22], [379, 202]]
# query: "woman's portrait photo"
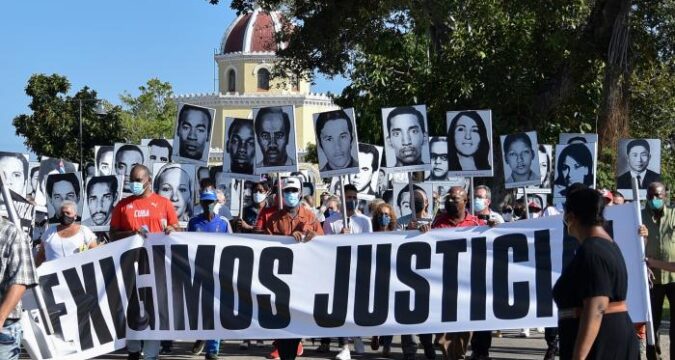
[[545, 171], [175, 182], [575, 163], [521, 159], [469, 143]]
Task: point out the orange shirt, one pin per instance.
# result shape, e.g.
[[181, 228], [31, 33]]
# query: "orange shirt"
[[154, 211], [281, 223]]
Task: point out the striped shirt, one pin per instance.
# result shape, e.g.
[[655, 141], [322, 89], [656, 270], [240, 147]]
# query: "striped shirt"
[[16, 266]]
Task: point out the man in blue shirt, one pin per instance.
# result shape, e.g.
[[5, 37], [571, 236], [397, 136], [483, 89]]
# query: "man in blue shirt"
[[207, 221]]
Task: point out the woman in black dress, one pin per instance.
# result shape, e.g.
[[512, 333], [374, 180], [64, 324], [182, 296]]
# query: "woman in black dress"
[[591, 291]]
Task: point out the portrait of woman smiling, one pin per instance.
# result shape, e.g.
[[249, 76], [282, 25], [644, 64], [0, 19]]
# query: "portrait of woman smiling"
[[469, 143]]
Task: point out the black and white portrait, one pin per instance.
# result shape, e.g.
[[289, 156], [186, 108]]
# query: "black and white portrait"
[[336, 142], [192, 141], [159, 150], [89, 171], [401, 198], [101, 195], [369, 164], [638, 158], [406, 138], [275, 150], [438, 150], [469, 143], [176, 183], [239, 149], [15, 168], [61, 187], [126, 156], [33, 176], [49, 166], [521, 159], [546, 166], [575, 163], [105, 164], [570, 138]]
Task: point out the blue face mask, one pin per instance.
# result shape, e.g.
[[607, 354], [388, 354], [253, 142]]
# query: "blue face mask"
[[656, 204], [137, 188], [291, 199], [479, 204], [385, 220]]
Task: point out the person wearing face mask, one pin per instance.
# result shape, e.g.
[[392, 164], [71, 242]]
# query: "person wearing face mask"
[[65, 238], [300, 223], [659, 219], [357, 223], [454, 345], [141, 213], [422, 215], [260, 198], [481, 205]]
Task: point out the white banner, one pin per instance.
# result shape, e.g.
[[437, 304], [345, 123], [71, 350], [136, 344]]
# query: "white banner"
[[203, 286]]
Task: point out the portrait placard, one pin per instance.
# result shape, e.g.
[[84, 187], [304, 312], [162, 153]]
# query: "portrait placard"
[[105, 160], [546, 165], [15, 167], [438, 151], [406, 138], [125, 157], [239, 149], [276, 149], [336, 142], [641, 159], [469, 142], [520, 159], [61, 187], [159, 150], [569, 138], [366, 180], [49, 166], [176, 183], [33, 176], [192, 139], [101, 195], [575, 163]]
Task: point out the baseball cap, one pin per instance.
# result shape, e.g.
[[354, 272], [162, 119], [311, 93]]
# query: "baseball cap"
[[291, 182], [207, 195], [607, 194]]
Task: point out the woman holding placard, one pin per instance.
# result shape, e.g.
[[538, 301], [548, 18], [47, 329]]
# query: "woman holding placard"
[[591, 292]]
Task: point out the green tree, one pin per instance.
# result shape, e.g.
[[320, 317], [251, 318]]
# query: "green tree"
[[151, 114], [53, 127]]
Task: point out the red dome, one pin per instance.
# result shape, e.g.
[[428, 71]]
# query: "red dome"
[[252, 32]]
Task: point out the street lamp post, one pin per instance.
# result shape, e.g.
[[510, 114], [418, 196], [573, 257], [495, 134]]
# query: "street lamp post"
[[100, 111]]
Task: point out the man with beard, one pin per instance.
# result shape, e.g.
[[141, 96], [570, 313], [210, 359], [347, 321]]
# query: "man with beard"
[[438, 147], [194, 127], [272, 128], [101, 197], [336, 135], [240, 145], [406, 134], [368, 160]]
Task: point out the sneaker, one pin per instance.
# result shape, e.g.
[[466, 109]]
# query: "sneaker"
[[134, 356], [386, 350], [524, 333], [301, 349], [166, 350], [198, 347], [211, 356], [374, 343], [323, 348], [244, 345], [429, 351], [359, 348], [274, 355], [344, 354]]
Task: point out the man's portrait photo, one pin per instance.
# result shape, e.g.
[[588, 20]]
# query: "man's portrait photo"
[[101, 195], [126, 156], [159, 150], [192, 140], [49, 166], [521, 159], [469, 143], [60, 187], [401, 198], [337, 143], [15, 168], [239, 147], [33, 176], [638, 158], [438, 149], [406, 140], [275, 139], [104, 160], [369, 163], [571, 138]]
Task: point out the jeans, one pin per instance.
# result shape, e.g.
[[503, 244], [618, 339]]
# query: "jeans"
[[10, 341], [150, 348], [212, 347]]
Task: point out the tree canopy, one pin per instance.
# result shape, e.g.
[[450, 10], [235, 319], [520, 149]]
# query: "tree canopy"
[[151, 114]]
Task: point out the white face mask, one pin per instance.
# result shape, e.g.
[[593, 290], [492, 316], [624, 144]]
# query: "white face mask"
[[259, 197]]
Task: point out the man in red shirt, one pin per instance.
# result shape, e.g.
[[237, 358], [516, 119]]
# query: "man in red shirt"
[[454, 345], [141, 213], [302, 225]]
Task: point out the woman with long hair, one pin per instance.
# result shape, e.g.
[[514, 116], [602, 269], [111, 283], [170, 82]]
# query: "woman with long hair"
[[468, 143], [574, 165]]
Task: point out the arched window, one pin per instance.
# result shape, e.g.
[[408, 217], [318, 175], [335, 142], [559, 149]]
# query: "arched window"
[[263, 79], [231, 81]]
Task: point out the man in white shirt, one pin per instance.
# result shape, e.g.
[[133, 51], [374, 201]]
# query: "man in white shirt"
[[481, 205], [357, 223]]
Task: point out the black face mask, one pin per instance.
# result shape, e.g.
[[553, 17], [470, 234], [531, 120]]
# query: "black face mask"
[[67, 220], [419, 205], [451, 208]]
